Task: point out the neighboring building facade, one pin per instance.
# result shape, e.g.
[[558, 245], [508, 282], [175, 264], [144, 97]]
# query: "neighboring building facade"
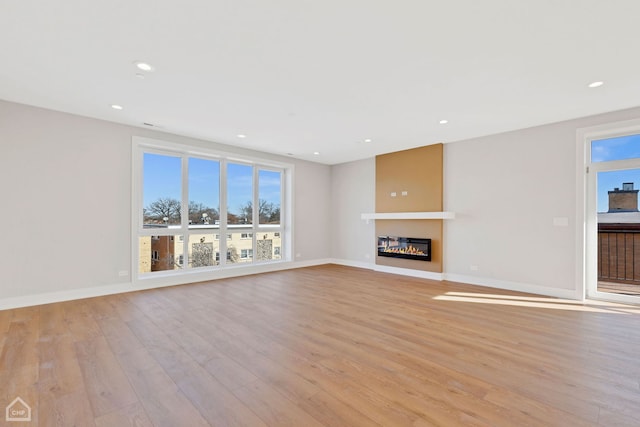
[[160, 253]]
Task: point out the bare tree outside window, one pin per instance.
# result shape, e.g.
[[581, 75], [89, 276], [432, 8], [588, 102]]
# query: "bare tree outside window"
[[165, 210]]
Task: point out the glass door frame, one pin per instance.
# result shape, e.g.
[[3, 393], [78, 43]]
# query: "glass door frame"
[[587, 215]]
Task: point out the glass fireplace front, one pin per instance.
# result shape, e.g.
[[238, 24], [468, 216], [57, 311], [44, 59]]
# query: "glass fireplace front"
[[404, 247]]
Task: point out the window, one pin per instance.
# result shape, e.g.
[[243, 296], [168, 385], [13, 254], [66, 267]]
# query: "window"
[[616, 148], [239, 194], [204, 192], [185, 201], [270, 195], [161, 190]]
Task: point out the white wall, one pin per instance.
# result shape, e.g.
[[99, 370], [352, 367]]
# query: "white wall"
[[67, 193], [353, 193], [66, 201], [506, 190], [313, 213]]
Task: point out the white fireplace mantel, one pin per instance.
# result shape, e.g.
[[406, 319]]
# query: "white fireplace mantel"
[[407, 215]]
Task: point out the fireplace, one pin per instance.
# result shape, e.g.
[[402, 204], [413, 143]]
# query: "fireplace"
[[404, 247]]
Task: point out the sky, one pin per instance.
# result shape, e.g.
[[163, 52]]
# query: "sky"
[[162, 178], [620, 148]]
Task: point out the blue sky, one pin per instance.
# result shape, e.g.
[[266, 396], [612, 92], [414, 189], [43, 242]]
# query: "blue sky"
[[162, 176], [625, 147]]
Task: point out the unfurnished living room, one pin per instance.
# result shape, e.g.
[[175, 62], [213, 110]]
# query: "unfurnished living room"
[[297, 213]]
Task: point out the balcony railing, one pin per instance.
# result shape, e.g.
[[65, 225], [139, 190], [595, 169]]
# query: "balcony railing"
[[619, 253]]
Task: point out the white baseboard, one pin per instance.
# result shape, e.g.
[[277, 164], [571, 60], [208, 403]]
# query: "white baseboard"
[[513, 286], [154, 281], [470, 280], [67, 295], [387, 269], [74, 294], [350, 263], [408, 272], [97, 291]]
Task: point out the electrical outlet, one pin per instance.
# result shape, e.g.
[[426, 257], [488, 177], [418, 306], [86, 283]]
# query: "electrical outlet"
[[405, 193], [394, 194]]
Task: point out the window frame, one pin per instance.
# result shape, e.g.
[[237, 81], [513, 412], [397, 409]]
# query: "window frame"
[[143, 145]]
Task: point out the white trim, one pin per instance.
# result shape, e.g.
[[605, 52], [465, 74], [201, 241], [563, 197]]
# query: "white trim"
[[74, 294], [408, 272], [408, 215], [355, 264], [162, 146], [387, 269], [98, 291], [470, 280], [140, 145], [67, 295], [586, 205], [581, 209], [513, 286]]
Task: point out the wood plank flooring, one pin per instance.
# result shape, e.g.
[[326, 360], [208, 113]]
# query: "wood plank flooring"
[[323, 346]]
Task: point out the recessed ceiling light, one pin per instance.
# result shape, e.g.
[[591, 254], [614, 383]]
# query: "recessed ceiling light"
[[144, 66], [316, 153], [116, 107], [595, 84], [367, 140], [240, 135], [443, 122]]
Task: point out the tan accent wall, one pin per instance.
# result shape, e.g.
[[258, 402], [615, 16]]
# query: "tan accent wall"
[[418, 172]]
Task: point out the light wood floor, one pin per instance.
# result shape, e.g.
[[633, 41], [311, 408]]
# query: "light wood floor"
[[327, 345]]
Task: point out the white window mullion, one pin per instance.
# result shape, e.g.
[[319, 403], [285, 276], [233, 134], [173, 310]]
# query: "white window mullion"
[[223, 213], [185, 211], [282, 214], [256, 210]]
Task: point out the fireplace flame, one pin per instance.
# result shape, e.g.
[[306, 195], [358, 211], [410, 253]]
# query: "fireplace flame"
[[409, 250]]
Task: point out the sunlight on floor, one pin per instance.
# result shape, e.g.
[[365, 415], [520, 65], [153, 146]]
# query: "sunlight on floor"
[[539, 302]]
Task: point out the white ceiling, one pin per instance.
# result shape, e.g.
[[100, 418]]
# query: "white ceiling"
[[298, 76]]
